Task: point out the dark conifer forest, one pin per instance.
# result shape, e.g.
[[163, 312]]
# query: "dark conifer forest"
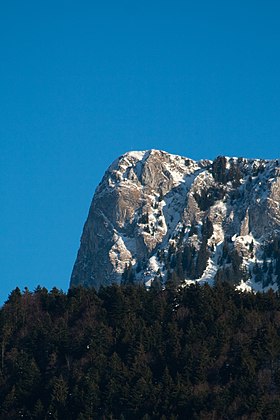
[[128, 353]]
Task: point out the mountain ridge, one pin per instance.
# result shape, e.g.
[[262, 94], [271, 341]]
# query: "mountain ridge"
[[159, 216]]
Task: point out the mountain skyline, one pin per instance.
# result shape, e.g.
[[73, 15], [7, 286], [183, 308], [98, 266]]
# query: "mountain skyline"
[[157, 217], [83, 84]]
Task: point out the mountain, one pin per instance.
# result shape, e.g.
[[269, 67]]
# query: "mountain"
[[157, 217]]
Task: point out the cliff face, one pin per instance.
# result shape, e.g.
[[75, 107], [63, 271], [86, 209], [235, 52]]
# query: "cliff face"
[[160, 216]]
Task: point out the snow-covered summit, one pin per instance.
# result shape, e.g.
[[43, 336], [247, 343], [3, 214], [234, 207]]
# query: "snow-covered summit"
[[157, 216]]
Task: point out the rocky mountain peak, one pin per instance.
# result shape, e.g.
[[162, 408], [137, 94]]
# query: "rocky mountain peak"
[[157, 216]]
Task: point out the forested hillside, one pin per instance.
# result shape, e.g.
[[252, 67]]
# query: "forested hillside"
[[128, 353]]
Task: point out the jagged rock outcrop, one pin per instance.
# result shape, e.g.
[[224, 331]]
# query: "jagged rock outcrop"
[[160, 216]]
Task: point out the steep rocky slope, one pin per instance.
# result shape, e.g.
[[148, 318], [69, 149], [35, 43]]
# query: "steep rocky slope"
[[157, 216]]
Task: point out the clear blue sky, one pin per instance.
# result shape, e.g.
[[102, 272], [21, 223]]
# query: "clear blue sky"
[[82, 82]]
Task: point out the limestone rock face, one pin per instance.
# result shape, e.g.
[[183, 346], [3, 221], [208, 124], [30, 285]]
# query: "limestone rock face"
[[161, 216]]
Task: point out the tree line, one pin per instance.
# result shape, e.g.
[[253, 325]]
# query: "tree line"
[[125, 352]]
